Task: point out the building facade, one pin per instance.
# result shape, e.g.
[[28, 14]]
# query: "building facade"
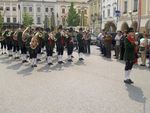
[[109, 20], [95, 15], [53, 12], [136, 14]]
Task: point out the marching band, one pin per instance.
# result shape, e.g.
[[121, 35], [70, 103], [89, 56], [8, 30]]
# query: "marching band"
[[30, 43]]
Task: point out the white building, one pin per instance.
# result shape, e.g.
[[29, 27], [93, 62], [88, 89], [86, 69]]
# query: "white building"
[[108, 15], [13, 10]]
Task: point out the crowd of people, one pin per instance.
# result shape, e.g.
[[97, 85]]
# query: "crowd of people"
[[31, 42], [128, 46]]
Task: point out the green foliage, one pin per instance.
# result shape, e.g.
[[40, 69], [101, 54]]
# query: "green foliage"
[[73, 17], [1, 21], [27, 19]]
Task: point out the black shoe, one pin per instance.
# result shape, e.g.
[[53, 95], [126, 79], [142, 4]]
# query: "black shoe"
[[72, 56], [38, 60], [81, 59], [32, 66], [70, 60], [142, 65], [16, 58], [24, 61], [35, 65], [2, 53], [5, 53], [127, 81], [131, 82], [50, 64], [10, 55]]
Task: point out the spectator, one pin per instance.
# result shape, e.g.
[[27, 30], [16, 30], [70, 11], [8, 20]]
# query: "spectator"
[[122, 47], [117, 46]]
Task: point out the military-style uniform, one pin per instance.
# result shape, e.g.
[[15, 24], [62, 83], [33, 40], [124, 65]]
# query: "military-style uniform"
[[3, 42], [15, 46], [70, 46], [49, 43], [60, 43], [22, 47]]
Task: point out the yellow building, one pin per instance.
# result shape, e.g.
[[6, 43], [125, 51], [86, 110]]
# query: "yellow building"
[[130, 16], [95, 15]]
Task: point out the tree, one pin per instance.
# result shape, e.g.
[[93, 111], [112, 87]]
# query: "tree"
[[27, 19], [1, 21], [73, 17]]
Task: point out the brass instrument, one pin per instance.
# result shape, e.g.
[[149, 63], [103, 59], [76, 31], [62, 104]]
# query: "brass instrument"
[[52, 36], [15, 35], [34, 41], [2, 37], [24, 34]]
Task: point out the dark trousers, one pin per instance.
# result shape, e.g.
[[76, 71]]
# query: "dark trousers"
[[128, 65], [87, 48], [122, 53], [60, 50], [49, 51], [108, 51], [33, 53], [15, 47], [3, 44], [23, 50], [9, 45], [81, 49], [69, 49]]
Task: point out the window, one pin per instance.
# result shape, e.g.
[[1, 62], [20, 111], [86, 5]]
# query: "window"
[[25, 9], [135, 5], [7, 8], [30, 9], [108, 12], [1, 8], [125, 6], [85, 11], [114, 11], [52, 9], [103, 14], [14, 8], [14, 20], [46, 9], [8, 20], [38, 20], [63, 10], [38, 9]]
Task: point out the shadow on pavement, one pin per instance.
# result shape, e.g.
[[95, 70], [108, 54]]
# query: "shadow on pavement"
[[57, 67], [15, 66], [26, 71], [79, 63], [135, 93], [45, 68]]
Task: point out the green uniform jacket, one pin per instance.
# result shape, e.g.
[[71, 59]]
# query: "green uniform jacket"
[[80, 40], [19, 37], [129, 50]]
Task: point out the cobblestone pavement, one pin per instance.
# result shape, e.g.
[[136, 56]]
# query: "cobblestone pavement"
[[93, 86]]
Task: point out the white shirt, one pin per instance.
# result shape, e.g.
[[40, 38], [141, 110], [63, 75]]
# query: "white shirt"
[[117, 39]]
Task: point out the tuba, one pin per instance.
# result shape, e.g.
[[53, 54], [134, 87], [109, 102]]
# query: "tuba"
[[34, 41], [52, 36], [15, 35]]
